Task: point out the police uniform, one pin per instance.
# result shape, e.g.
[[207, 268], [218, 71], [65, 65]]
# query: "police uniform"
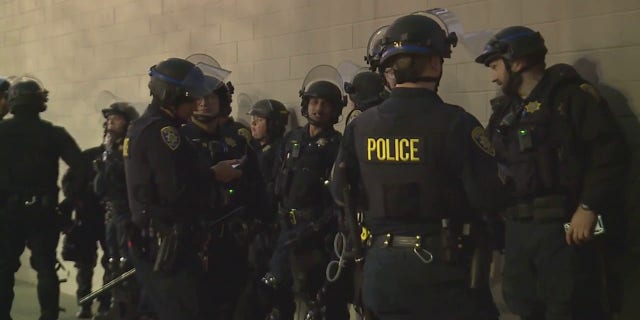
[[417, 175], [267, 155], [31, 149], [112, 187], [80, 243], [558, 148], [166, 187], [226, 273], [306, 215]]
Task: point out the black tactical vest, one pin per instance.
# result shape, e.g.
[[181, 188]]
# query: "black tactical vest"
[[400, 146], [301, 181], [533, 138]]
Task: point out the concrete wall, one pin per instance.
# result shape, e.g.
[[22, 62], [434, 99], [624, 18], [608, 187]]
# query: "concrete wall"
[[80, 47]]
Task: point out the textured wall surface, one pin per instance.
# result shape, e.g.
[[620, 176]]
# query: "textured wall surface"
[[81, 47]]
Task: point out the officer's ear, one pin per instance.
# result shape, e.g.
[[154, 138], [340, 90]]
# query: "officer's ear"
[[518, 64]]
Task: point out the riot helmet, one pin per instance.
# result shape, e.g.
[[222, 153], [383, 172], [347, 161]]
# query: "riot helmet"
[[513, 43], [123, 109], [26, 94], [413, 36], [275, 113], [325, 82], [174, 81], [367, 89], [215, 76]]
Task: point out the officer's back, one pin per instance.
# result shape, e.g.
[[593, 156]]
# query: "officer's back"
[[414, 169], [426, 169], [31, 147]]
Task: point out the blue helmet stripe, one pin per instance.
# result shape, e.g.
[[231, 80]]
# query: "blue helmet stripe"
[[408, 48]]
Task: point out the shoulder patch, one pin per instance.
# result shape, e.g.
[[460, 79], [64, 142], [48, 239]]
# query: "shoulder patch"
[[230, 142], [353, 115], [125, 147], [243, 132], [480, 138], [171, 137], [588, 88]]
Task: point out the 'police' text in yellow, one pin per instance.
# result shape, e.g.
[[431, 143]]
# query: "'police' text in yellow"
[[393, 150]]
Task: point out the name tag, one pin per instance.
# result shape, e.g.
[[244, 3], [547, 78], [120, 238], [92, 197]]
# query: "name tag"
[[394, 150]]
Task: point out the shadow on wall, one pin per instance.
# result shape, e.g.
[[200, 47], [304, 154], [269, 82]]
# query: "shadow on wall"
[[623, 222]]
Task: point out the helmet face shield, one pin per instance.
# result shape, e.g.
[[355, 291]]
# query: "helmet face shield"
[[215, 75], [324, 82], [194, 83], [374, 48]]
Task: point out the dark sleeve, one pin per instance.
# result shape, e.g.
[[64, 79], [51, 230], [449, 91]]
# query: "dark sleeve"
[[75, 178], [69, 150], [278, 162], [346, 169], [165, 165], [472, 160], [602, 147]]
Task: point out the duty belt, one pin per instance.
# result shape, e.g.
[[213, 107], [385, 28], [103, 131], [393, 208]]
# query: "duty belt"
[[424, 247], [541, 209], [389, 240]]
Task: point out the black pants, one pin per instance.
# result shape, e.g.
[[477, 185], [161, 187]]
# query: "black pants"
[[398, 285], [173, 295], [116, 237], [253, 303], [300, 267], [544, 278], [41, 237], [226, 276], [85, 264]]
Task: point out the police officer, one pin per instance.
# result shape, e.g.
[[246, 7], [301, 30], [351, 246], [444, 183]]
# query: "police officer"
[[4, 106], [165, 184], [563, 158], [427, 169], [216, 138], [80, 242], [111, 183], [31, 149], [306, 211], [269, 118], [366, 90], [111, 187]]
